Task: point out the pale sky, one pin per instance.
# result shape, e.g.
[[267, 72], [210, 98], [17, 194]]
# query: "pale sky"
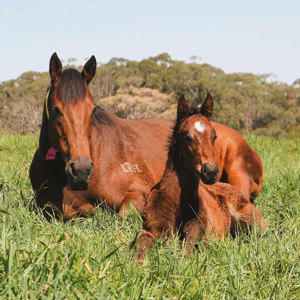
[[256, 36]]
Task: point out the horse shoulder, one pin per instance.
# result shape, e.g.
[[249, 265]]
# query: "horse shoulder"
[[235, 155], [233, 142]]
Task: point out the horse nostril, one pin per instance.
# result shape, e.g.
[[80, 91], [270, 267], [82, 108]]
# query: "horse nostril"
[[206, 169], [210, 169], [73, 169], [209, 173], [216, 168]]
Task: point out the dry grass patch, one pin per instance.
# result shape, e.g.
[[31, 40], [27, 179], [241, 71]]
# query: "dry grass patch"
[[139, 103]]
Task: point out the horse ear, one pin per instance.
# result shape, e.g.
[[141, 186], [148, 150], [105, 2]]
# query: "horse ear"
[[206, 109], [89, 70], [55, 68], [182, 109]]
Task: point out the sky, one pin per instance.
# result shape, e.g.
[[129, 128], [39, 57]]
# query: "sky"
[[255, 36]]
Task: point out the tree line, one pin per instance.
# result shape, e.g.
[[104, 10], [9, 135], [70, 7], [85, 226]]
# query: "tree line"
[[250, 103]]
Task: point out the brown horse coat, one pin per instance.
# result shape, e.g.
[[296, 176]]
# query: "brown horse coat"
[[99, 157], [180, 201], [238, 163]]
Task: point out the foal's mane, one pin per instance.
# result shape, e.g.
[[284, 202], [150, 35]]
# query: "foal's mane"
[[174, 160], [71, 87], [172, 140]]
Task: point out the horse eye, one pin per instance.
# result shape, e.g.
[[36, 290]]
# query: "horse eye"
[[215, 137], [56, 111], [187, 138]]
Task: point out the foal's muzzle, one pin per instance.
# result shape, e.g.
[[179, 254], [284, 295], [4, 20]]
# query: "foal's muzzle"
[[209, 173], [79, 172]]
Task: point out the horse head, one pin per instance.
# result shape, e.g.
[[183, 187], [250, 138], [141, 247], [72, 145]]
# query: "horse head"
[[195, 139], [69, 108]]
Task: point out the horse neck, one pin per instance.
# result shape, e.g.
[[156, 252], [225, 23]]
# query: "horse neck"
[[44, 143], [187, 179], [189, 184], [179, 181], [181, 185], [107, 133]]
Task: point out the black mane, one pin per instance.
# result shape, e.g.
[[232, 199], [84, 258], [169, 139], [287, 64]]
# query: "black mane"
[[173, 155], [100, 116], [71, 87], [195, 110]]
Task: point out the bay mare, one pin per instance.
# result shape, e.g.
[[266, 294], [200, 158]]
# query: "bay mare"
[[87, 156]]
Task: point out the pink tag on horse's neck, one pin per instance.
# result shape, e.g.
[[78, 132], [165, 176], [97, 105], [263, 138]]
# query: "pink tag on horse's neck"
[[51, 153]]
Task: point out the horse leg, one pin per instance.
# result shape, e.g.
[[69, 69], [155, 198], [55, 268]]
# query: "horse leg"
[[49, 198], [247, 216], [240, 181], [61, 203], [193, 231], [54, 203], [147, 237], [72, 212], [48, 191], [75, 204], [137, 198], [145, 242]]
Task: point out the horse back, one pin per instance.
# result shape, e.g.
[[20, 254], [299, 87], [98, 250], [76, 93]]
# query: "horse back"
[[238, 162]]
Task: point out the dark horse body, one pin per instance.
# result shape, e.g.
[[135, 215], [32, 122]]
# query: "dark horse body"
[[100, 157], [181, 202]]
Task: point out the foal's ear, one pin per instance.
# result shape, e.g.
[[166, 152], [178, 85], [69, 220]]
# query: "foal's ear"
[[55, 68], [89, 70], [182, 109], [207, 107]]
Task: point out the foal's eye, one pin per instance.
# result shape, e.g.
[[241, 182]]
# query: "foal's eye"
[[215, 137], [187, 138]]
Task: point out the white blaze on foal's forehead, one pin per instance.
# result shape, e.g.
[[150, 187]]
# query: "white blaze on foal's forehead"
[[199, 126]]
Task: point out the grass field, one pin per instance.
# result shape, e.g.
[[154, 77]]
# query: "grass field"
[[91, 258]]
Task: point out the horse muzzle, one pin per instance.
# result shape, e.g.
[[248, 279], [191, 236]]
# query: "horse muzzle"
[[209, 173], [79, 172]]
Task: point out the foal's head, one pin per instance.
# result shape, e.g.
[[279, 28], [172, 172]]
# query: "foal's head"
[[69, 109], [195, 139]]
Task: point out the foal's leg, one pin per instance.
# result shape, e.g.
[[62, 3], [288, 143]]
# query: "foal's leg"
[[145, 242], [193, 231], [247, 216], [147, 237]]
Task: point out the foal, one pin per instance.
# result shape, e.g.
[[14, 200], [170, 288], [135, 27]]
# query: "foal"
[[180, 201]]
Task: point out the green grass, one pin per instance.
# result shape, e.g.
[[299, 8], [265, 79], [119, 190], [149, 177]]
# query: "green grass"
[[91, 258]]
